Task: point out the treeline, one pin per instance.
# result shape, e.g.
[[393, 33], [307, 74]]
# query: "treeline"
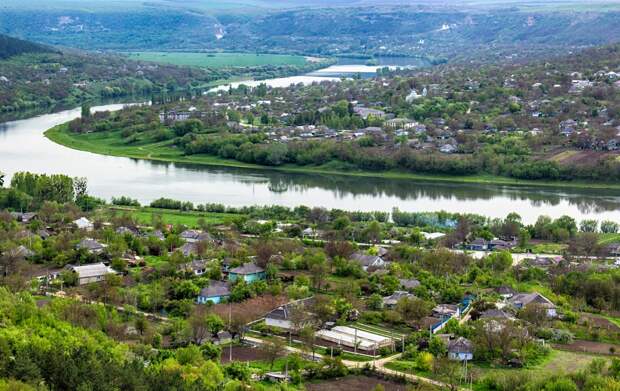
[[10, 46], [279, 212]]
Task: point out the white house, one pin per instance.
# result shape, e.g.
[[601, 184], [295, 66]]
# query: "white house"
[[84, 223], [95, 272]]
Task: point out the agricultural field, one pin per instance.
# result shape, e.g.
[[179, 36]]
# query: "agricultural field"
[[190, 219], [218, 60]]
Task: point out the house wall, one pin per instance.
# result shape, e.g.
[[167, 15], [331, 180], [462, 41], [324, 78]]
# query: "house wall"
[[281, 323], [88, 280], [205, 299], [461, 356]]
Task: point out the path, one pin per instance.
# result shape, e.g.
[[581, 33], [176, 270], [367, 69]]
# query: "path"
[[379, 365]]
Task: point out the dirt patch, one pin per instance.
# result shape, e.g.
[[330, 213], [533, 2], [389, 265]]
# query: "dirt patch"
[[572, 157], [242, 353], [590, 347], [355, 383], [599, 322]]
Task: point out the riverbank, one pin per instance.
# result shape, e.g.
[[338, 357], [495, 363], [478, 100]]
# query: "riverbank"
[[104, 143]]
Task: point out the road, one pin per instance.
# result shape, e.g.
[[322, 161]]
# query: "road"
[[379, 365]]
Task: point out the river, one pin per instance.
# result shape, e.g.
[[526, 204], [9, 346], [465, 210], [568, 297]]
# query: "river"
[[24, 148]]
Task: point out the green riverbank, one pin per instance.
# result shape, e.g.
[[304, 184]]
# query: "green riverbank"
[[109, 143]]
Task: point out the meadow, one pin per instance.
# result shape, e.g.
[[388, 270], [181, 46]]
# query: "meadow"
[[218, 60]]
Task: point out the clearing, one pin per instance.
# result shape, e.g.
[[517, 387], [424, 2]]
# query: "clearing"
[[218, 60]]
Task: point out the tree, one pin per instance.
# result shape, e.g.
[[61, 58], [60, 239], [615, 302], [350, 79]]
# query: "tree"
[[448, 371], [607, 227], [413, 309], [534, 313], [588, 226], [273, 349], [375, 302], [86, 111], [1, 179], [318, 271], [308, 337]]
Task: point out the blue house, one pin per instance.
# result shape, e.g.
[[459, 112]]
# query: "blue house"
[[216, 292], [250, 272]]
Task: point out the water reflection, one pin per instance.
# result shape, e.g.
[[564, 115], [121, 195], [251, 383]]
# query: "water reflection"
[[24, 148]]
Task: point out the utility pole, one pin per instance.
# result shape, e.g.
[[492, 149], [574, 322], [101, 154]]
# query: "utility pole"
[[229, 329]]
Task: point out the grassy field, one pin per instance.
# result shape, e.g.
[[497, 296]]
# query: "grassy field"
[[218, 60], [558, 361], [190, 219], [111, 143]]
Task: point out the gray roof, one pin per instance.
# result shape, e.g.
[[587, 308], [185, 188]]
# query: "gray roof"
[[395, 297], [90, 244], [248, 268], [283, 312], [460, 345], [188, 249], [93, 270], [215, 288], [494, 314], [409, 283], [365, 259], [527, 298]]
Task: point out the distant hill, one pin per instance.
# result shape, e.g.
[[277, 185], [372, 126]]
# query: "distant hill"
[[10, 46]]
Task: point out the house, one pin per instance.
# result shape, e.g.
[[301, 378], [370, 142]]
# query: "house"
[[84, 224], [277, 377], [198, 267], [568, 127], [368, 261], [400, 123], [445, 311], [494, 313], [23, 252], [24, 217], [188, 249], [194, 236], [614, 249], [282, 317], [127, 230], [522, 300], [460, 349], [409, 283], [308, 233], [545, 261], [478, 244], [498, 244], [366, 112], [249, 272], [448, 148], [90, 273], [216, 292], [91, 245], [392, 300], [505, 292], [156, 234], [222, 338]]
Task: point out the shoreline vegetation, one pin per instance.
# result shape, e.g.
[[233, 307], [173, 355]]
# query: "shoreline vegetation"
[[163, 153]]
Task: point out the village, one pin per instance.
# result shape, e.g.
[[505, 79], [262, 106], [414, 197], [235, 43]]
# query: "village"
[[293, 284]]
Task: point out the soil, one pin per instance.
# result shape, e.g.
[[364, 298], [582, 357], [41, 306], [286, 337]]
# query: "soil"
[[589, 347], [242, 353], [600, 322], [355, 383]]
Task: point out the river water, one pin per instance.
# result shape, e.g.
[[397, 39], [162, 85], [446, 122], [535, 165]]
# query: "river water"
[[24, 148]]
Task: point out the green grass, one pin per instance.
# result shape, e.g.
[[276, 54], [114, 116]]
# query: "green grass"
[[558, 361], [111, 143], [218, 60], [609, 238], [190, 219]]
